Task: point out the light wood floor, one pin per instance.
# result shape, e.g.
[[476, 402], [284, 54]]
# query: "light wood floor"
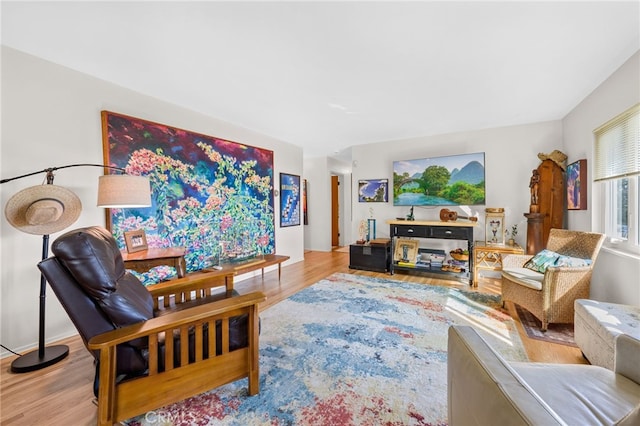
[[62, 394]]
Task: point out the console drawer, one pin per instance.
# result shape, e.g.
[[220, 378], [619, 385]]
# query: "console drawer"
[[451, 232], [411, 231]]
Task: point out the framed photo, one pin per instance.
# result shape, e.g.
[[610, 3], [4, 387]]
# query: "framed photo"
[[290, 196], [373, 190], [135, 240], [406, 251], [577, 185], [494, 228]]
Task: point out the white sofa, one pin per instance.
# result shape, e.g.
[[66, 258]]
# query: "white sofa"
[[596, 325], [484, 389]]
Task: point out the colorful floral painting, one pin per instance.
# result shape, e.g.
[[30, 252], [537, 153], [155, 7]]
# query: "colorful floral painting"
[[212, 196]]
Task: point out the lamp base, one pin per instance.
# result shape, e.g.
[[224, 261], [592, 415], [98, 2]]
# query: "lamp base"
[[32, 361]]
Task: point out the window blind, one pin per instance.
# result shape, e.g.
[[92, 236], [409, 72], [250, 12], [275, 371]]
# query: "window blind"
[[617, 146]]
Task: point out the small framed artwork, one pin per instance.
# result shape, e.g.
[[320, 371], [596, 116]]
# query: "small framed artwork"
[[373, 190], [494, 228], [135, 240], [305, 217], [577, 185], [406, 251], [290, 196]]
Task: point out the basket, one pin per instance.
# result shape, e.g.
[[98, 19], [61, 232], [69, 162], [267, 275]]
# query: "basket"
[[494, 210], [459, 256]]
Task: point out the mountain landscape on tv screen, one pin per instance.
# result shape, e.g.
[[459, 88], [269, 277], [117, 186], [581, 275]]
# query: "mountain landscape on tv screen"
[[471, 173], [437, 182]]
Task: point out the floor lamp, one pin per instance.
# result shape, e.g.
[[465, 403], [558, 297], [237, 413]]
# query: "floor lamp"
[[46, 209]]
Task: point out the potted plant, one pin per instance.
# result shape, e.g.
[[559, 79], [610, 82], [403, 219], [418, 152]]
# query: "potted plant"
[[512, 235]]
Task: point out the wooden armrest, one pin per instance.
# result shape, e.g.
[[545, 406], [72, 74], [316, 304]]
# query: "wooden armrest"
[[191, 282], [174, 320], [194, 286]]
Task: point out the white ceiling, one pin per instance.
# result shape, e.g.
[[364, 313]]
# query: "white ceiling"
[[330, 75]]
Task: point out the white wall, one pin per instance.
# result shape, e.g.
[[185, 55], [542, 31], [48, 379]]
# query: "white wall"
[[318, 172], [51, 117], [615, 277], [511, 153], [317, 235], [342, 169]]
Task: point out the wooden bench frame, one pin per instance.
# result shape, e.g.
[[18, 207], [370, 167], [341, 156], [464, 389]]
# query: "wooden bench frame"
[[268, 260], [119, 401]]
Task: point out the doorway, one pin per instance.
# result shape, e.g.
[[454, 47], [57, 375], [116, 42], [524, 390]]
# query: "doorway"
[[335, 211]]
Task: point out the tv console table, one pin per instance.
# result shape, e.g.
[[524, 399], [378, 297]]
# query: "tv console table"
[[433, 229]]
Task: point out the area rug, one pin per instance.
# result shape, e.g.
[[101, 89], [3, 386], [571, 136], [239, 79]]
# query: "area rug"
[[556, 333], [352, 350]]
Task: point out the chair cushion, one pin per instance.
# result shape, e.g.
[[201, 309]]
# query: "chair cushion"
[[524, 276], [92, 257], [573, 262], [546, 258]]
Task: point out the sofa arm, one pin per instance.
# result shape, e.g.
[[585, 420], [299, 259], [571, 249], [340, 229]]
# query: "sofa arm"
[[483, 389], [559, 280], [515, 260], [627, 350]]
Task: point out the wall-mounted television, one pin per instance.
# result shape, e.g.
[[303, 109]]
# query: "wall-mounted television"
[[455, 180]]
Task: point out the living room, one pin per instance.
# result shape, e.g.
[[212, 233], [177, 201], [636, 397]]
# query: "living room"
[[51, 117]]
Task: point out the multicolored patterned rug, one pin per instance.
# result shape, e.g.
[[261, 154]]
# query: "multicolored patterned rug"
[[556, 333], [352, 350]]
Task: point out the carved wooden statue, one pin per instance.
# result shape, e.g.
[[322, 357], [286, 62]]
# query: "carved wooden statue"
[[534, 185], [547, 188]]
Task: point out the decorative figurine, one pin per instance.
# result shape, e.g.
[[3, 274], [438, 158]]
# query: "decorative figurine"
[[362, 231], [533, 185]]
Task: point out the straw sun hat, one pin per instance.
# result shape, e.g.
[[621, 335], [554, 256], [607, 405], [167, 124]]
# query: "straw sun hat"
[[43, 209], [556, 156]]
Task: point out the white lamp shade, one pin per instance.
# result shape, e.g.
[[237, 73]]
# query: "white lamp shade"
[[124, 191]]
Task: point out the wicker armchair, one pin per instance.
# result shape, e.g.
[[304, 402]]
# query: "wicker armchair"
[[550, 296]]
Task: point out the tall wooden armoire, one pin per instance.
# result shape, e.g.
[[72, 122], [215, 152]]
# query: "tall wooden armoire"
[[551, 202]]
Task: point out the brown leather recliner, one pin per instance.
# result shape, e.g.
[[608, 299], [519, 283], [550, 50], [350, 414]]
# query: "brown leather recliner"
[[88, 276]]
